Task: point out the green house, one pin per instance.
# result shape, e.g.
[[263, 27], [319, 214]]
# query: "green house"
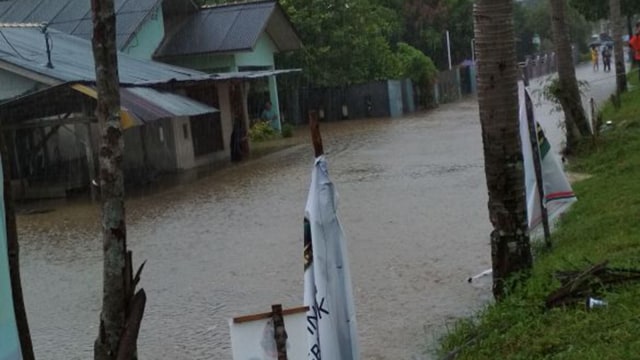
[[234, 44]]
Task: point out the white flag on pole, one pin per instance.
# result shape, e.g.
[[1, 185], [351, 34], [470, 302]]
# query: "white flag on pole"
[[331, 320], [558, 194], [9, 342]]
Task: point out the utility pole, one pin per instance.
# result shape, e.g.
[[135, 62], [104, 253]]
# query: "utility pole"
[[122, 311]]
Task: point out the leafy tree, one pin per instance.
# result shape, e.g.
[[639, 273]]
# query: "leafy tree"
[[532, 18], [426, 23], [597, 10], [418, 67], [346, 41]]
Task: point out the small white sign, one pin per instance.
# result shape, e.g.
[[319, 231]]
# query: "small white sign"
[[252, 336]]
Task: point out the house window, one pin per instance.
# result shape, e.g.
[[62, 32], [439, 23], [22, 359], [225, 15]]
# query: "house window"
[[185, 130], [207, 134]]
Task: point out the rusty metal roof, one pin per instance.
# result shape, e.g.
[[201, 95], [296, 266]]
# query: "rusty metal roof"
[[231, 28], [74, 16]]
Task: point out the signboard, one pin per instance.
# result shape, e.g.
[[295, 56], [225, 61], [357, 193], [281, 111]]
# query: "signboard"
[[9, 341], [252, 336]]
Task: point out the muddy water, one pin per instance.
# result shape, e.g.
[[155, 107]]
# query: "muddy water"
[[412, 201]]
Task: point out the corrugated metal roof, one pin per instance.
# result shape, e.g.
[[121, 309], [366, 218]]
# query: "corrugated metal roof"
[[225, 29], [149, 105], [139, 105], [72, 60], [74, 16], [247, 75]]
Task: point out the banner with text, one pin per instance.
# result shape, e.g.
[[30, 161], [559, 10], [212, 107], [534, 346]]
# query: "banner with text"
[[331, 320]]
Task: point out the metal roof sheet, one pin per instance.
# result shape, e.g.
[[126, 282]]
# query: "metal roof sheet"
[[225, 29], [72, 60], [248, 75], [139, 105], [149, 105], [74, 16]]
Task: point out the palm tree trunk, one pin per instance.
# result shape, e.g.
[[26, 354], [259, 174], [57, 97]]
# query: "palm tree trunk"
[[576, 123], [616, 27], [121, 309], [498, 101]]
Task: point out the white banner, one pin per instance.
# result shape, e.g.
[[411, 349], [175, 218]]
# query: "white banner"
[[9, 341], [558, 193], [331, 320]]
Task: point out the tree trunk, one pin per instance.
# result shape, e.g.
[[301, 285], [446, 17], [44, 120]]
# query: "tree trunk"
[[117, 330], [504, 169], [26, 347], [576, 123], [618, 52]]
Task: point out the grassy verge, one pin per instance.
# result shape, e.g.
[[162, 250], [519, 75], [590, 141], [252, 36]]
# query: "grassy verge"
[[603, 225]]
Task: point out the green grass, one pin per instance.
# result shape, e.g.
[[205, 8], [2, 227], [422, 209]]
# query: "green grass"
[[603, 225]]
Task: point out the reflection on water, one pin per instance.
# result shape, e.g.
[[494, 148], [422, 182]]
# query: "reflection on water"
[[229, 243]]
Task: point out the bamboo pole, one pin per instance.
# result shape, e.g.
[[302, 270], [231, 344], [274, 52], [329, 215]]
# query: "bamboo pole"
[[537, 165]]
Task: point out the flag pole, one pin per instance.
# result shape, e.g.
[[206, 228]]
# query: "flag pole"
[[537, 161], [316, 138]]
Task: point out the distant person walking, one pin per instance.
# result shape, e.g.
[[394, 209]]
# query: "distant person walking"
[[594, 58], [634, 43], [606, 59], [269, 115]]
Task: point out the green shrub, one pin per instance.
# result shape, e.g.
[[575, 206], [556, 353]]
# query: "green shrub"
[[287, 130], [262, 131]]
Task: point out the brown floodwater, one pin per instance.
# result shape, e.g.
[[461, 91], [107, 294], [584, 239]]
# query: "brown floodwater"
[[412, 202]]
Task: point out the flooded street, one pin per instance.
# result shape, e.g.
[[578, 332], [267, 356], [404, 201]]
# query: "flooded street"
[[412, 202]]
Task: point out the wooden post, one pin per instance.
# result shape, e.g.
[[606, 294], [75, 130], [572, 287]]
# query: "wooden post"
[[537, 165], [121, 310], [26, 347], [316, 138], [279, 331]]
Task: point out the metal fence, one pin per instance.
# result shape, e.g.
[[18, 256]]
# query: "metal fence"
[[539, 65]]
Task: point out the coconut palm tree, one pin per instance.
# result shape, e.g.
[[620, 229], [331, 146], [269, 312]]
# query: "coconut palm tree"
[[616, 26], [576, 123], [498, 103]]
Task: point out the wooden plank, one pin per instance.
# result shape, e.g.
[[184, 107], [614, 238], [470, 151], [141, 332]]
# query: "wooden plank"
[[268, 315]]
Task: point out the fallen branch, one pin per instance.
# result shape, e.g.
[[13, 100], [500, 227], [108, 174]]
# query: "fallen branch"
[[576, 286]]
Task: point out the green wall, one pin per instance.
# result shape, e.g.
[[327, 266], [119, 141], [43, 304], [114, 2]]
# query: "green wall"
[[13, 85], [145, 42], [262, 55]]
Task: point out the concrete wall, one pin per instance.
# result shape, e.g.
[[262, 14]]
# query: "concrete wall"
[[225, 113], [145, 42], [183, 141], [396, 108], [159, 144], [13, 85]]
